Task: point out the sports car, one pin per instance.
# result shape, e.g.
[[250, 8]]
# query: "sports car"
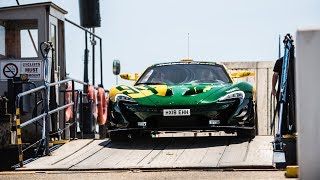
[[182, 96]]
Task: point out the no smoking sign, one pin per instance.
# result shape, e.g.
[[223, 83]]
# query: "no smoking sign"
[[10, 70], [33, 69]]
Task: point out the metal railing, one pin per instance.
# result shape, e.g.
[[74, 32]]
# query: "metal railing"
[[45, 116]]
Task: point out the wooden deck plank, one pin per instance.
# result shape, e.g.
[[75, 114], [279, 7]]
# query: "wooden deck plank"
[[235, 152], [121, 155], [167, 152], [193, 154], [213, 152], [260, 153], [118, 156], [82, 154], [162, 143], [168, 156], [143, 149], [63, 152], [95, 161]]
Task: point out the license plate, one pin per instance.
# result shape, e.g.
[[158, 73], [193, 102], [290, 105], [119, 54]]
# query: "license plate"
[[214, 122], [143, 124], [176, 112]]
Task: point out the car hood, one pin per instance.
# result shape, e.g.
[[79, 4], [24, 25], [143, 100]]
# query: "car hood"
[[170, 95]]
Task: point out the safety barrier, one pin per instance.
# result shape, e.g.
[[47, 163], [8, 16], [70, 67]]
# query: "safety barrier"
[[45, 116]]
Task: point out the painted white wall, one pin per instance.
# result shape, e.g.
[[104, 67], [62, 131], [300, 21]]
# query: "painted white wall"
[[308, 102]]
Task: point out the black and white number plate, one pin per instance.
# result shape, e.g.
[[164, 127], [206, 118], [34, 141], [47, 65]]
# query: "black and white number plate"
[[176, 112]]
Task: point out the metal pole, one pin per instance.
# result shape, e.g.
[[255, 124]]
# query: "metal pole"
[[93, 43], [19, 134], [101, 72], [46, 125], [81, 114], [284, 79], [47, 118], [85, 74], [73, 128], [280, 121], [116, 79]]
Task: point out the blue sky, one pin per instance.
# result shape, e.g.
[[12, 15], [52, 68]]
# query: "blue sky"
[[143, 32]]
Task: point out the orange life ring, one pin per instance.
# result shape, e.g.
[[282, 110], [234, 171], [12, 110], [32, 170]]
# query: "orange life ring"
[[68, 112], [92, 96], [102, 106]]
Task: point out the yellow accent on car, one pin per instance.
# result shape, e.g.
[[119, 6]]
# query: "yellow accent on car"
[[207, 88], [141, 94], [187, 60], [130, 77], [161, 89], [112, 94], [242, 74], [137, 92]]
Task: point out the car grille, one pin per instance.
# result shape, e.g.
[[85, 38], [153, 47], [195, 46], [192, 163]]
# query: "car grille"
[[177, 122]]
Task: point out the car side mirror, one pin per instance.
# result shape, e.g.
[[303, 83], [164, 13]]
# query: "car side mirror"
[[242, 74], [130, 77], [116, 67]]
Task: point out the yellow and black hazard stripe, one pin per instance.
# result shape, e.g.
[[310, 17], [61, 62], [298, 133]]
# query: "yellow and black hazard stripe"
[[19, 141]]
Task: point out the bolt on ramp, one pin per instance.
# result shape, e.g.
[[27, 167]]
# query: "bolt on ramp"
[[216, 152]]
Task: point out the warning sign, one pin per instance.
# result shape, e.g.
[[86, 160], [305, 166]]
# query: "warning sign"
[[10, 70], [33, 69]]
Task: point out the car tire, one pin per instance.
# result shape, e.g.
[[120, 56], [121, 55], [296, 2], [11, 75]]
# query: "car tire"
[[247, 133], [253, 116], [118, 135]]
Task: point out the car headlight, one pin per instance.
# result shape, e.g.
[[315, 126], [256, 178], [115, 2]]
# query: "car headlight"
[[123, 97], [233, 95]]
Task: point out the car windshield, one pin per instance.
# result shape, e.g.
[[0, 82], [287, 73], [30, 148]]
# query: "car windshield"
[[184, 74]]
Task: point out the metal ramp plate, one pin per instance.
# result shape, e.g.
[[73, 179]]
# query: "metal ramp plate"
[[177, 152]]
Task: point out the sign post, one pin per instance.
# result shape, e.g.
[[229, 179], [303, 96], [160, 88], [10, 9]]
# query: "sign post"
[[116, 69]]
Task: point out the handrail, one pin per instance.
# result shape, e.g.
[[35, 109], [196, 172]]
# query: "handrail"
[[60, 108], [45, 116], [33, 120], [84, 29], [84, 83], [60, 82], [30, 91]]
